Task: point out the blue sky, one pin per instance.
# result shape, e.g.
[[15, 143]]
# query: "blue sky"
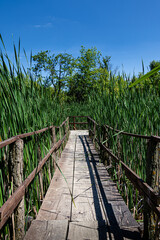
[[126, 30]]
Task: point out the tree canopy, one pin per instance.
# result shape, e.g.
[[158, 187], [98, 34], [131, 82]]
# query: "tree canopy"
[[77, 77]]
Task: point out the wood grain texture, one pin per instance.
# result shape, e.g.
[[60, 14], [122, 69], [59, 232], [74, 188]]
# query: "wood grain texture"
[[47, 230], [98, 211]]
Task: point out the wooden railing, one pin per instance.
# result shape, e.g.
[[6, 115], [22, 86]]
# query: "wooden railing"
[[151, 199], [16, 144], [74, 123]]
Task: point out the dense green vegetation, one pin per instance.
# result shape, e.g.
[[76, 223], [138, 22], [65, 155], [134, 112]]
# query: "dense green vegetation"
[[61, 85]]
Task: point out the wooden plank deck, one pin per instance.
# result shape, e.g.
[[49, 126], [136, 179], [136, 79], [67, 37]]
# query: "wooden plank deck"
[[98, 211]]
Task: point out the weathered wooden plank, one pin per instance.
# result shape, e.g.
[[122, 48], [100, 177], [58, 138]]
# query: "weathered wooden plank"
[[47, 230], [90, 230], [114, 208], [99, 230], [57, 202], [88, 203], [151, 197], [36, 231], [99, 211], [57, 230]]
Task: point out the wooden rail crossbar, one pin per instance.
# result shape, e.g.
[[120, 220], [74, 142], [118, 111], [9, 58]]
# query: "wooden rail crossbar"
[[151, 198], [74, 123], [25, 135], [20, 136], [144, 188], [10, 205], [156, 138]]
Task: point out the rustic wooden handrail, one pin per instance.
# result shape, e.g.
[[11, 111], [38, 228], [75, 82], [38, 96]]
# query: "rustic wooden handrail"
[[11, 204], [79, 116], [128, 134], [74, 123], [24, 135], [156, 138], [78, 123], [20, 136], [89, 118], [150, 196], [143, 187]]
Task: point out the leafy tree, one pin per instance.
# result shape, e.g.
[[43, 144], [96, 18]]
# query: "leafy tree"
[[58, 68], [85, 75]]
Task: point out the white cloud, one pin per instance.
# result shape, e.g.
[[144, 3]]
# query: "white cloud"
[[62, 20], [47, 25]]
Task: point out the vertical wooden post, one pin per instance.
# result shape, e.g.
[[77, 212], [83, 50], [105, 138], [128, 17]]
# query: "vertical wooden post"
[[94, 130], [105, 156], [74, 120], [49, 170], [64, 132], [150, 167], [60, 137], [157, 172], [40, 173], [103, 153], [157, 180], [67, 128], [89, 126], [68, 125], [53, 143], [101, 139], [60, 133], [16, 161], [53, 136]]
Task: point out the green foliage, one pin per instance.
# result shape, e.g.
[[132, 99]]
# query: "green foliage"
[[82, 86], [58, 69], [25, 105], [152, 78]]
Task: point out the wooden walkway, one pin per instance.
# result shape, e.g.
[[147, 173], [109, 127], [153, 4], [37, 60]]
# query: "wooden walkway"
[[98, 210]]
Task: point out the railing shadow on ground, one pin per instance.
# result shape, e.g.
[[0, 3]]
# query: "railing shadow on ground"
[[112, 226]]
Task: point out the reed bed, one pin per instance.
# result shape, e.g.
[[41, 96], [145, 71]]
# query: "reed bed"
[[135, 111], [26, 105]]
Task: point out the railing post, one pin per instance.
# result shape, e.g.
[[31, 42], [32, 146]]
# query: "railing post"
[[105, 155], [53, 136], [94, 130], [67, 128], [89, 126], [101, 139], [53, 129], [68, 124], [150, 167], [16, 173], [40, 173], [64, 131], [74, 125], [60, 137], [103, 134]]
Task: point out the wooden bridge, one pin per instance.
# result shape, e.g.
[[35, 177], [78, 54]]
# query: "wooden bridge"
[[82, 201]]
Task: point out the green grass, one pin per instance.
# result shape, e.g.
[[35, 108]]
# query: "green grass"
[[26, 106]]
